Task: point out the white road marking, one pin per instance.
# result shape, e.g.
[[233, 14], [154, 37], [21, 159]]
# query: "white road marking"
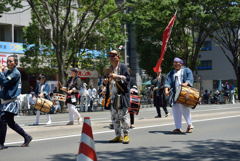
[[111, 131], [107, 119]]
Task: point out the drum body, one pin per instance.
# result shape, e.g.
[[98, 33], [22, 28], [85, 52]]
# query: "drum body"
[[187, 96], [43, 105], [59, 97], [134, 104]]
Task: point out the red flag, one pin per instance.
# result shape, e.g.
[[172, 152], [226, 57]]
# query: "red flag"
[[166, 35]]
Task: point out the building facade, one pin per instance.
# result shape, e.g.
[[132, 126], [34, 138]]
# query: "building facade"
[[11, 31], [214, 67]]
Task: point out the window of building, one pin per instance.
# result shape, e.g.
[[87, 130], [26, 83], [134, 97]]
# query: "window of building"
[[18, 34], [205, 65], [207, 46], [1, 33]]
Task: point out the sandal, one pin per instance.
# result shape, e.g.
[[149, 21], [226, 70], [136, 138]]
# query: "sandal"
[[177, 131]]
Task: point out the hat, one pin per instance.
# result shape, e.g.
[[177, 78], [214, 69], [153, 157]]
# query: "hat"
[[74, 69], [178, 60], [42, 76], [134, 86], [114, 52]]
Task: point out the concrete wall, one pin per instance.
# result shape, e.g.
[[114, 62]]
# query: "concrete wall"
[[22, 16], [221, 67], [206, 85]]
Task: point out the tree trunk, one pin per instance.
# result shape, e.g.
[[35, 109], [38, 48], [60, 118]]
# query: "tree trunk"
[[238, 81], [61, 65]]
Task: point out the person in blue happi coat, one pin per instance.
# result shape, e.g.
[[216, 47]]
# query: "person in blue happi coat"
[[10, 82]]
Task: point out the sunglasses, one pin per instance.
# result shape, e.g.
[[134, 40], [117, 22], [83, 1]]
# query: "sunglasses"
[[112, 55]]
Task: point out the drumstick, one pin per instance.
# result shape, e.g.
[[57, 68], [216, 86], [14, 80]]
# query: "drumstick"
[[64, 89], [60, 84], [1, 67]]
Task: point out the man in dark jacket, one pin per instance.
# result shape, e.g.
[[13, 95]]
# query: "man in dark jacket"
[[158, 94], [10, 82], [119, 85]]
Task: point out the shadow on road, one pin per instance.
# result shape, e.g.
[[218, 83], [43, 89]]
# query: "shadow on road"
[[166, 133], [63, 157], [195, 150]]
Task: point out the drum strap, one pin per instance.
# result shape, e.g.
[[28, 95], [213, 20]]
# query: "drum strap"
[[172, 93], [42, 105]]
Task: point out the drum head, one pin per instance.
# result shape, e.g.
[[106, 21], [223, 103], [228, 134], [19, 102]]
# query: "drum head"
[[178, 91]]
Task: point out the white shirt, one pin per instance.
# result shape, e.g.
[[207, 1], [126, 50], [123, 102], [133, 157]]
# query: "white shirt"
[[113, 86], [84, 91], [92, 93], [178, 76]]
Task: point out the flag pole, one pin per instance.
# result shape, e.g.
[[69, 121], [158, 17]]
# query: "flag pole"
[[165, 38]]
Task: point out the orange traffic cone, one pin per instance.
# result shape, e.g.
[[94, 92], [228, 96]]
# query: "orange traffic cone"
[[87, 146]]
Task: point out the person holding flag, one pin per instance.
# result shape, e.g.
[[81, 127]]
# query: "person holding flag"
[[158, 83], [159, 98]]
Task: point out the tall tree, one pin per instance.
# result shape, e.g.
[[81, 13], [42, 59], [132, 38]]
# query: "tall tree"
[[191, 28], [227, 16], [6, 5], [71, 26]]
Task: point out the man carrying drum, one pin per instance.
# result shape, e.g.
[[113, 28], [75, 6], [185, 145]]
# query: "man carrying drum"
[[179, 76], [42, 91]]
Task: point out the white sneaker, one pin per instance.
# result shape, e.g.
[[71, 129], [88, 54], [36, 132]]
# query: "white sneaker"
[[49, 122], [79, 120]]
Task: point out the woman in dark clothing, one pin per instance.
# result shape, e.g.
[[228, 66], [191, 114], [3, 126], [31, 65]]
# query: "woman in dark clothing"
[[159, 98]]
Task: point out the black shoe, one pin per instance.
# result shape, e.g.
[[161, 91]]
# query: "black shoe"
[[158, 116], [3, 147], [27, 140], [111, 126]]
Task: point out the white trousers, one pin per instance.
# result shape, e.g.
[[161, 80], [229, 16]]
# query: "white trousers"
[[38, 117], [73, 112], [179, 110]]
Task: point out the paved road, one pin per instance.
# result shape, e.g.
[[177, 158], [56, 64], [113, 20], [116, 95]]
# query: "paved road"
[[215, 137]]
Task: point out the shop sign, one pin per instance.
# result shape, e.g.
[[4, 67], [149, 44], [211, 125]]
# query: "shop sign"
[[87, 74], [8, 47]]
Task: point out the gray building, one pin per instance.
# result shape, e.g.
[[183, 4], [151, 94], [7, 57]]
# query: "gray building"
[[11, 31], [12, 23], [214, 67]]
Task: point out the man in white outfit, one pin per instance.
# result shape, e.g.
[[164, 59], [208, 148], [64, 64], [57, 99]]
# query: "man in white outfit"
[[179, 76], [84, 98], [92, 95]]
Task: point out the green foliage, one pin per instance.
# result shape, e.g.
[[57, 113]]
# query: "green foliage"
[[194, 22], [6, 5], [74, 26]]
